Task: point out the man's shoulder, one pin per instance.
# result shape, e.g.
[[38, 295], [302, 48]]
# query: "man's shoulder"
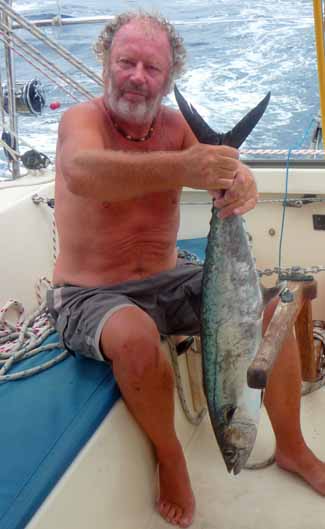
[[84, 115], [85, 108], [175, 122], [172, 116]]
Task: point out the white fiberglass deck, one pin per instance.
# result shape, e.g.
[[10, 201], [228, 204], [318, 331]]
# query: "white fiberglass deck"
[[91, 493], [260, 499], [111, 482]]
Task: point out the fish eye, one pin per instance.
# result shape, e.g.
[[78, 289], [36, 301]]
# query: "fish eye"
[[229, 453], [229, 413]]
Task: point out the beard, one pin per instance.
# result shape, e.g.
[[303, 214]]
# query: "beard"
[[137, 112]]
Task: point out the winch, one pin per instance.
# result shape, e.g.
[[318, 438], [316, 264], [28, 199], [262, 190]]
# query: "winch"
[[29, 97]]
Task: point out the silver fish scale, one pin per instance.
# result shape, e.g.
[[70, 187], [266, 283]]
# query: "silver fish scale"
[[230, 331]]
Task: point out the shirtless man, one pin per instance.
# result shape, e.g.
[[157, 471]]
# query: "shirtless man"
[[122, 160]]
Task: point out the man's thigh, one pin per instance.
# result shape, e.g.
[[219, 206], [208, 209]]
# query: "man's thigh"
[[80, 315], [129, 332], [181, 301]]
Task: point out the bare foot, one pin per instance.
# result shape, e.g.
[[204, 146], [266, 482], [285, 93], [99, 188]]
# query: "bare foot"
[[307, 466], [176, 502]]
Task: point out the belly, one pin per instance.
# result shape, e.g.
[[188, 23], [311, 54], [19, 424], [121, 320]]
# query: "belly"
[[115, 244]]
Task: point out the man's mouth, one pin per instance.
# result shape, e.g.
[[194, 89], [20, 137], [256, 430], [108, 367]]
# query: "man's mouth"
[[133, 95]]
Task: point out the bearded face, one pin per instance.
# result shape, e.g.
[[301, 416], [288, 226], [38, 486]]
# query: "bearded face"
[[138, 72], [132, 102]]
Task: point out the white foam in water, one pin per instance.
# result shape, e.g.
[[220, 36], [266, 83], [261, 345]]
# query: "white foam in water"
[[22, 7], [237, 51]]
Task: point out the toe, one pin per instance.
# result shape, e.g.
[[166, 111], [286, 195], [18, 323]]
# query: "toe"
[[177, 516], [171, 513], [164, 508], [184, 522]]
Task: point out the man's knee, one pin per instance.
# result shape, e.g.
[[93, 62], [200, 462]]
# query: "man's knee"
[[131, 337]]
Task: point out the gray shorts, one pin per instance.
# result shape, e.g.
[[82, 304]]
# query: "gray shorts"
[[172, 299]]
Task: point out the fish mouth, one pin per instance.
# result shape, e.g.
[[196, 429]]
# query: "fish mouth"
[[236, 442], [235, 458]]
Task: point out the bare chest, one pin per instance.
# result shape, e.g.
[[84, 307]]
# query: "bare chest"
[[155, 212]]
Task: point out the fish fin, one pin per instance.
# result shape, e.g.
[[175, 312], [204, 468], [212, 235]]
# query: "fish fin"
[[236, 136], [199, 127], [205, 134], [269, 293]]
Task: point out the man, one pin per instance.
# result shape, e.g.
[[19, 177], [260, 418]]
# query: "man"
[[122, 160]]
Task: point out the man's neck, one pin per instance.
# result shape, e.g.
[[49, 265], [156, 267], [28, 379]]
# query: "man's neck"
[[131, 130]]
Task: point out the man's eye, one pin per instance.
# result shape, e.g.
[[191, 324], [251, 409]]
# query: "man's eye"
[[125, 62], [153, 68]]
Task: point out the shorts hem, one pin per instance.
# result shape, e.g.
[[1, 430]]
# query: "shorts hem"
[[101, 324]]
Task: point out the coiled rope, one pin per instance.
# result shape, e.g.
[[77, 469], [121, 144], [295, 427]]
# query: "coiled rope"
[[23, 339]]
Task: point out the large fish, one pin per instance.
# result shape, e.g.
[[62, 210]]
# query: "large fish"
[[231, 311]]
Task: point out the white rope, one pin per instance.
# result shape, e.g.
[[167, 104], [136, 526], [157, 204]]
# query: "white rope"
[[18, 138], [24, 339], [195, 419], [11, 151]]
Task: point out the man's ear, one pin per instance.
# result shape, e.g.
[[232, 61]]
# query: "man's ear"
[[168, 86], [105, 71]]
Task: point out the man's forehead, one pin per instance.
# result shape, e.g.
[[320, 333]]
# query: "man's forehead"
[[141, 30]]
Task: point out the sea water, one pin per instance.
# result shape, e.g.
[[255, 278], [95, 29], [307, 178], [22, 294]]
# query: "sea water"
[[238, 50]]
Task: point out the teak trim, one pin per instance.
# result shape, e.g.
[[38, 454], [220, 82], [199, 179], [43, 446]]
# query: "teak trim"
[[286, 315]]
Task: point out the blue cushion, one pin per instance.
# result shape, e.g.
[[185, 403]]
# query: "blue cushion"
[[195, 246], [45, 420]]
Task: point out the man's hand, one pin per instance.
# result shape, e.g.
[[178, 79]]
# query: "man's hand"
[[218, 170], [240, 197], [211, 167]]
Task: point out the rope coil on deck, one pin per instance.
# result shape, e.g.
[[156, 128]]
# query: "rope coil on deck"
[[24, 339]]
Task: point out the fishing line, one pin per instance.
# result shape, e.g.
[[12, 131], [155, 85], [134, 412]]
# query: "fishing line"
[[285, 199]]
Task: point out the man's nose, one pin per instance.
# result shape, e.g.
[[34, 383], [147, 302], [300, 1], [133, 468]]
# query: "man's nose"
[[138, 74]]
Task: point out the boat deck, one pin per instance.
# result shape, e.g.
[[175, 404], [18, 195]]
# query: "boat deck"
[[254, 499], [111, 481]]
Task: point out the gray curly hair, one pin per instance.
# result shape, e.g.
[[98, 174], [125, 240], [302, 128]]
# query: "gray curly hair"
[[104, 43]]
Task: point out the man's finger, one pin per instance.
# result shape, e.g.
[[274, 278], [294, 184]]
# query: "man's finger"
[[237, 208]]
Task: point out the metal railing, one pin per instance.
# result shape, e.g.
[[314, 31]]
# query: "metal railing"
[[10, 21], [67, 21]]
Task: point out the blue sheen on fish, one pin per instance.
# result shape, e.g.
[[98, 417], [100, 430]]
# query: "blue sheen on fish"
[[231, 329], [231, 311]]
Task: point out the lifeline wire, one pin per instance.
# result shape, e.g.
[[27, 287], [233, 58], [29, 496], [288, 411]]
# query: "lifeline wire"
[[290, 150]]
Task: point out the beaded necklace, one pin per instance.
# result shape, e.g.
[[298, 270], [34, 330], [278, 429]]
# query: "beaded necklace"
[[132, 138]]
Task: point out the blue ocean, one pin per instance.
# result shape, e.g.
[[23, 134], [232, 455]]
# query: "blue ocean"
[[238, 50]]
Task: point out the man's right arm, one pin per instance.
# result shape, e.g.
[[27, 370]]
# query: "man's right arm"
[[93, 171]]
